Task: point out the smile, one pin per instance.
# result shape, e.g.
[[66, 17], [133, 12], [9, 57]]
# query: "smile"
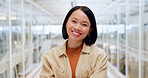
[[76, 33]]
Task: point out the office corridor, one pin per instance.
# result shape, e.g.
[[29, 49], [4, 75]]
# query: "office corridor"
[[30, 28]]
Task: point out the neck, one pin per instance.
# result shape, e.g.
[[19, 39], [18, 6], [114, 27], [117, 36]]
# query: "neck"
[[73, 44]]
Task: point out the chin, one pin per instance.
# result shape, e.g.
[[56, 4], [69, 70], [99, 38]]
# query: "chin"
[[76, 39]]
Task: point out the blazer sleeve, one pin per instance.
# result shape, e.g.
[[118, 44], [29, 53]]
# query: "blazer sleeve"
[[46, 71], [100, 68]]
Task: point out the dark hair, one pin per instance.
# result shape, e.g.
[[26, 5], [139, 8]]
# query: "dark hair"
[[89, 39]]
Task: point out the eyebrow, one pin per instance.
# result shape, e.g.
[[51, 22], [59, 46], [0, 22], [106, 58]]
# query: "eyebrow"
[[75, 18], [82, 21]]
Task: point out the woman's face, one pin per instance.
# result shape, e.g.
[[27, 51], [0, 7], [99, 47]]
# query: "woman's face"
[[78, 26]]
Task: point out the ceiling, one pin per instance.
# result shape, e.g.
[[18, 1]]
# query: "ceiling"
[[59, 8], [54, 11]]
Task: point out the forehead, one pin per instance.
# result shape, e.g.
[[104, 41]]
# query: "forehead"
[[79, 14]]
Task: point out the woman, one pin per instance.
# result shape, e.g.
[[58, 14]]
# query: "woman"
[[77, 57]]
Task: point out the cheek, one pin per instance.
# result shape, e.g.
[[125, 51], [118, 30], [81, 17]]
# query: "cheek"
[[68, 25], [86, 30]]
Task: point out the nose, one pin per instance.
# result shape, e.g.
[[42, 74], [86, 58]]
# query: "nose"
[[77, 27]]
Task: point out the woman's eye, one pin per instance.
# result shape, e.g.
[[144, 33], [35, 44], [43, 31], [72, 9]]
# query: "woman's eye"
[[73, 21], [84, 24]]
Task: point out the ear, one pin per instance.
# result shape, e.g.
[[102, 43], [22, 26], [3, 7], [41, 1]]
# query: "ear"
[[90, 30]]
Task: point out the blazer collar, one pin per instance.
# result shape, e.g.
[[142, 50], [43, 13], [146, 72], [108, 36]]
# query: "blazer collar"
[[62, 49]]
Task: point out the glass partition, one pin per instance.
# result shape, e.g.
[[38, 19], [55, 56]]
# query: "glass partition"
[[28, 51], [38, 35], [133, 38], [56, 32], [122, 35], [4, 39], [16, 24], [113, 44], [145, 39]]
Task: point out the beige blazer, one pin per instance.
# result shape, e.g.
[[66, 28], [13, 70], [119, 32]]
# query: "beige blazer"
[[92, 63]]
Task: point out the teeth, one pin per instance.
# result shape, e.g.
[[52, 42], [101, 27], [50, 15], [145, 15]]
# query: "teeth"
[[76, 33]]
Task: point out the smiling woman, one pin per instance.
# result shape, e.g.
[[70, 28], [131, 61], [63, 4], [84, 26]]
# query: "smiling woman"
[[77, 57], [78, 26]]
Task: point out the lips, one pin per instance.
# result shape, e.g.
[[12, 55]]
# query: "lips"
[[76, 33]]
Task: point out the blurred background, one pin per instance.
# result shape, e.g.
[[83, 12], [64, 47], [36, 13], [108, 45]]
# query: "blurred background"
[[30, 28]]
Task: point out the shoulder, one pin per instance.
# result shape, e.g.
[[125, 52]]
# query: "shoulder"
[[96, 51], [53, 52], [97, 55], [56, 51]]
